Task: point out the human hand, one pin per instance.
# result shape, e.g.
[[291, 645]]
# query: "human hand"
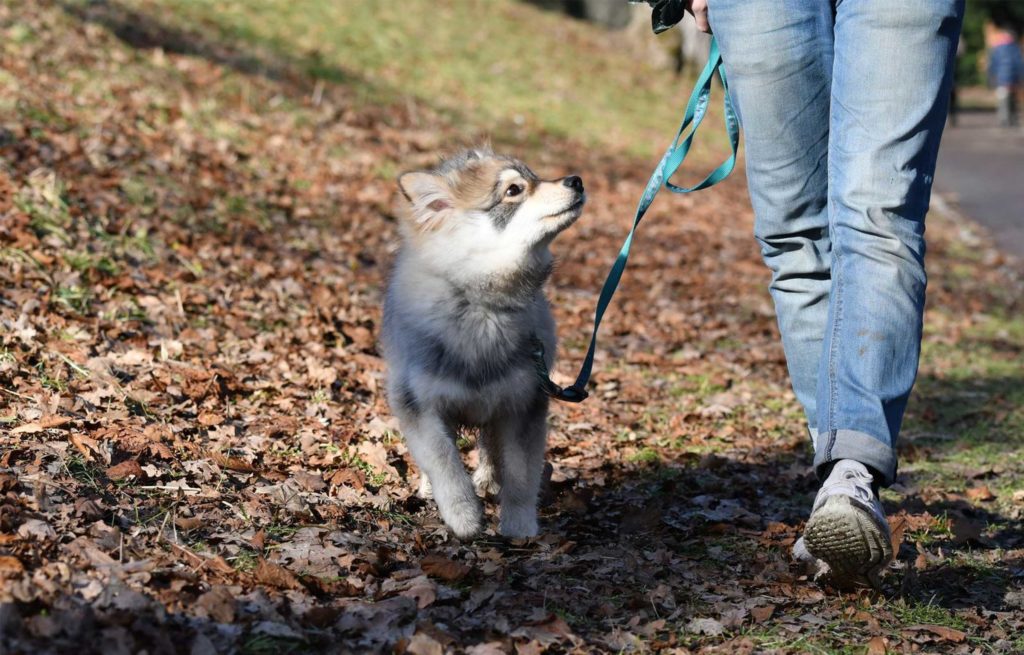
[[699, 9]]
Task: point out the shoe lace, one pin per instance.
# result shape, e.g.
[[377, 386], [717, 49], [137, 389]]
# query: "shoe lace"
[[851, 482], [861, 484]]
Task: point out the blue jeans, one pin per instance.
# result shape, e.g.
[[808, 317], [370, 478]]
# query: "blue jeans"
[[842, 104]]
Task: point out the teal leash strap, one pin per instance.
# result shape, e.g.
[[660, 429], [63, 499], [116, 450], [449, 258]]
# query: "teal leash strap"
[[696, 108]]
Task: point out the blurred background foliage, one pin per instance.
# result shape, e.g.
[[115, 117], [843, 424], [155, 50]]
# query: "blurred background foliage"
[[616, 14], [1003, 13]]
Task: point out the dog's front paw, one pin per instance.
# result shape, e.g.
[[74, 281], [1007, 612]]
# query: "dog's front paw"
[[425, 491], [485, 479], [465, 519], [518, 522]]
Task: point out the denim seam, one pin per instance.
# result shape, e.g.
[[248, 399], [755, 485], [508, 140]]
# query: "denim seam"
[[836, 296]]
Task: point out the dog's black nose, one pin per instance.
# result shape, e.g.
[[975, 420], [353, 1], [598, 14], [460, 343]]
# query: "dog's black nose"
[[574, 182]]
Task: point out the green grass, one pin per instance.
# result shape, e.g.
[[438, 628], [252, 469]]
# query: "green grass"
[[246, 560], [968, 407], [269, 645], [912, 613], [510, 67], [645, 455], [373, 476]]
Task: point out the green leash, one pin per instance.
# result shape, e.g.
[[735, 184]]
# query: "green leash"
[[670, 162]]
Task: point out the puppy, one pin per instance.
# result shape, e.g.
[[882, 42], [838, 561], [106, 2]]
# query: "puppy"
[[463, 316]]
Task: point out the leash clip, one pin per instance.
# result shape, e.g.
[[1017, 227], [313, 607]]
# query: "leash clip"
[[572, 394]]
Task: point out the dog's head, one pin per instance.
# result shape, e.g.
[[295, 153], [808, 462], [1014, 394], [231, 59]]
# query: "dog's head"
[[481, 205]]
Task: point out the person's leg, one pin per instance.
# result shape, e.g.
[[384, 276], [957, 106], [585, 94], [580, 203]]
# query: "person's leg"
[[890, 93], [1014, 106], [778, 59], [1004, 105]]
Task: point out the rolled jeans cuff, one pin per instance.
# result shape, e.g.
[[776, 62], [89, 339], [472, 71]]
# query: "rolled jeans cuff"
[[833, 446]]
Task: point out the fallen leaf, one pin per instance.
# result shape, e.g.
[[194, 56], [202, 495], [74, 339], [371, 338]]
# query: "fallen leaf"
[[981, 494], [218, 603], [897, 527], [36, 529], [874, 627], [210, 418], [949, 634], [376, 455], [422, 590], [709, 627], [532, 647], [188, 522], [275, 575], [85, 445], [549, 630], [309, 481], [10, 565], [444, 568], [232, 463], [42, 424], [876, 646], [424, 644], [127, 469]]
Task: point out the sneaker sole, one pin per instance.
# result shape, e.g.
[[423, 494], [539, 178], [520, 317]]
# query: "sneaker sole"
[[843, 534]]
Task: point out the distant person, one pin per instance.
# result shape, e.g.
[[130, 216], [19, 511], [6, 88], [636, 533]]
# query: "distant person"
[[1005, 72], [842, 106]]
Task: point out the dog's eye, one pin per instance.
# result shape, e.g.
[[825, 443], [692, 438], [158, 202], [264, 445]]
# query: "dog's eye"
[[513, 190]]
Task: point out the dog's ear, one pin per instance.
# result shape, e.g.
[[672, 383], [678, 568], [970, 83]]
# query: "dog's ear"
[[429, 197]]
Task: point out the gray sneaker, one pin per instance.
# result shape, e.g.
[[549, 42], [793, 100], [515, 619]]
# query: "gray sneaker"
[[847, 537]]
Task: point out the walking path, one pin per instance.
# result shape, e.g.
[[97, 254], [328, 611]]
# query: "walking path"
[[981, 169]]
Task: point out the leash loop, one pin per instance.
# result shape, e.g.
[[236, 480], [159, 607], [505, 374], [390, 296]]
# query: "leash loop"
[[674, 156]]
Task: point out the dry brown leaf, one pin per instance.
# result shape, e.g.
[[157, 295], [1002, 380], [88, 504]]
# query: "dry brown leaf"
[[85, 445], [897, 527], [10, 565], [310, 480], [949, 634], [422, 590], [376, 455], [348, 477], [444, 568], [129, 468], [160, 450], [46, 423], [981, 494], [423, 644], [532, 647], [360, 336], [188, 522], [210, 418], [275, 575], [232, 463], [877, 646], [258, 540], [874, 627], [218, 564], [218, 603]]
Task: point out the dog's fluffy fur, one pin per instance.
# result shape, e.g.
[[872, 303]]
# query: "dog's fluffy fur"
[[463, 306]]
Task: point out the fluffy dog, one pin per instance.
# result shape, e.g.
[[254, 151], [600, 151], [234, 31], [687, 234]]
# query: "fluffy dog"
[[463, 315]]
